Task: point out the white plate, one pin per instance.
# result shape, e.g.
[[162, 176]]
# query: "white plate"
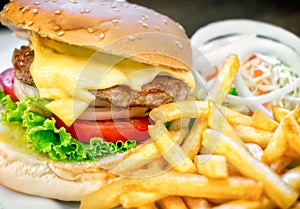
[[10, 199]]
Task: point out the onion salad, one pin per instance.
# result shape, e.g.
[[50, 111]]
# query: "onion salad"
[[269, 57]]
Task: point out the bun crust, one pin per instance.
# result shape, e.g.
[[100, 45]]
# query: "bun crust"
[[34, 175], [115, 27]]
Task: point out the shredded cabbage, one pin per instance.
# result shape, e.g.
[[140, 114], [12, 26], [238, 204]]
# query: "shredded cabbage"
[[266, 81], [43, 137]]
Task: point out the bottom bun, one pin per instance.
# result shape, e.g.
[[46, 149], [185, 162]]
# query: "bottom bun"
[[35, 175]]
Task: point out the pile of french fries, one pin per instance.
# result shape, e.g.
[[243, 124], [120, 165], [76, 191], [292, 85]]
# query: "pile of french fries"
[[225, 160]]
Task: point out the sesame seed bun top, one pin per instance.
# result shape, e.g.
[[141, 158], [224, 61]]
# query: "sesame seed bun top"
[[115, 27]]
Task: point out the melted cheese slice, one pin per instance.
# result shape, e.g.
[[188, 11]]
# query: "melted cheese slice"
[[66, 73]]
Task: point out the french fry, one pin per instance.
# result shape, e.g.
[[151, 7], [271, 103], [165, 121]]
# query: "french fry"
[[279, 165], [235, 118], [141, 156], [196, 203], [212, 166], [264, 203], [179, 134], [192, 143], [154, 167], [286, 135], [174, 184], [249, 134], [179, 123], [279, 113], [291, 153], [296, 205], [291, 129], [135, 199], [177, 110], [172, 202], [281, 193], [255, 150], [157, 164], [232, 171], [261, 121], [276, 147], [215, 114], [292, 177], [224, 79], [217, 201], [148, 206], [170, 150], [195, 109], [100, 199]]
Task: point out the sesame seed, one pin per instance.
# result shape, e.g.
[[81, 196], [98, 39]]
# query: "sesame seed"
[[46, 0], [57, 12], [180, 27], [157, 28], [145, 16], [61, 33], [115, 21], [144, 24], [102, 35], [165, 21], [116, 10], [73, 1], [131, 37], [36, 3], [90, 30], [85, 11], [24, 9], [37, 30], [20, 25], [113, 6], [5, 9], [35, 11], [30, 23], [54, 0], [179, 44], [56, 28]]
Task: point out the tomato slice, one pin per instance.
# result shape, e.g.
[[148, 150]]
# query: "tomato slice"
[[7, 83], [109, 130]]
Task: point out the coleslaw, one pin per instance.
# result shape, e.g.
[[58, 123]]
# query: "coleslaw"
[[265, 77]]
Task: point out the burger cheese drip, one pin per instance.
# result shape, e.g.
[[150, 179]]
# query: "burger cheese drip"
[[66, 74]]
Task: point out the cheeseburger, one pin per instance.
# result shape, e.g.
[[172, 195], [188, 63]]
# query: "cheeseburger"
[[78, 95]]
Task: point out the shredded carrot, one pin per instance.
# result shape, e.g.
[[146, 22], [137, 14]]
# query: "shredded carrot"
[[252, 57], [212, 75], [262, 92], [257, 73]]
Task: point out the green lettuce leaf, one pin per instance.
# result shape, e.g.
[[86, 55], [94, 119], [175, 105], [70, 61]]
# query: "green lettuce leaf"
[[42, 135]]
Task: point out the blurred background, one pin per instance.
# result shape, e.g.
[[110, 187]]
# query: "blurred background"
[[193, 14]]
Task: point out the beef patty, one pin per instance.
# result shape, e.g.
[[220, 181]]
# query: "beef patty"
[[161, 90]]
